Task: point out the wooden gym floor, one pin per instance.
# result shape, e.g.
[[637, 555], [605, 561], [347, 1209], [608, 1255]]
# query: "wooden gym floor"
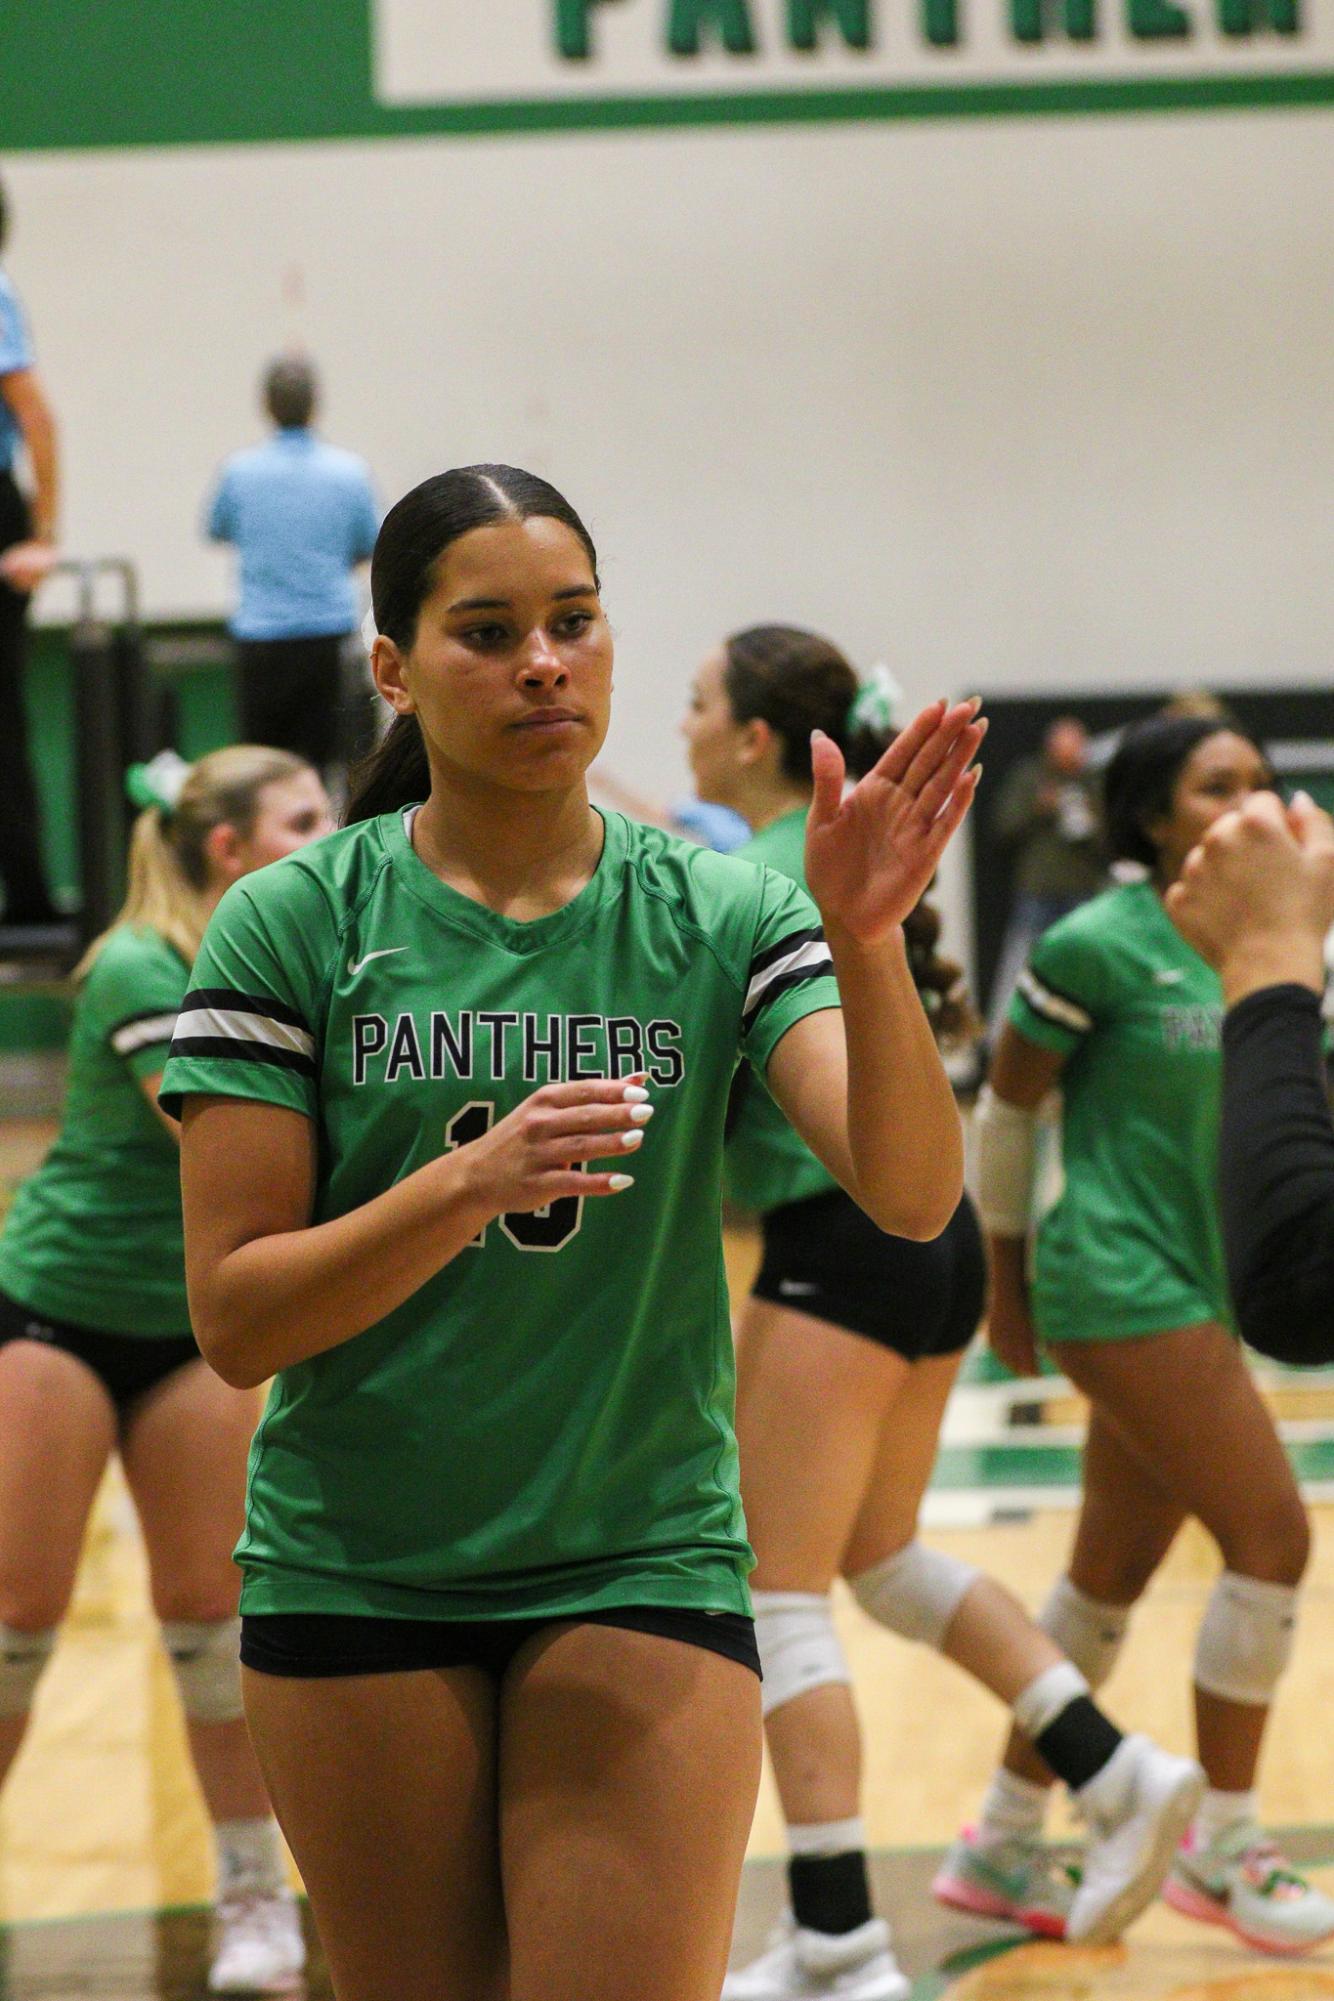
[[104, 1857]]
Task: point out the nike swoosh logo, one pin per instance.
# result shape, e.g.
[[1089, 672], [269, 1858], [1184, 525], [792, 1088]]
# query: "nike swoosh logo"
[[1169, 976], [796, 1286], [354, 966]]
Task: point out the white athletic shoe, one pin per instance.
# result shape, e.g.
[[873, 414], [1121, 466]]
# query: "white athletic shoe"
[[260, 1949], [803, 1965], [1146, 1801]]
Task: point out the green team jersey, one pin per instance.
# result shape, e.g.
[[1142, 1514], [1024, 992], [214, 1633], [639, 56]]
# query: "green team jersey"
[[95, 1236], [545, 1427], [766, 1163], [1132, 1245]]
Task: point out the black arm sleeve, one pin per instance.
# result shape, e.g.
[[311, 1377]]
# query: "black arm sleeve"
[[1276, 1175]]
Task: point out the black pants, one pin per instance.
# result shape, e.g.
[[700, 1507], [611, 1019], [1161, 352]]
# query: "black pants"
[[27, 897], [291, 694]]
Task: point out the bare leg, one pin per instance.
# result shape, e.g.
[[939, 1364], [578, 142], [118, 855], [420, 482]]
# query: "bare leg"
[[1127, 1524], [813, 1402], [185, 1453], [905, 1453], [385, 1788], [59, 1427], [1192, 1412], [629, 1767], [991, 1636]]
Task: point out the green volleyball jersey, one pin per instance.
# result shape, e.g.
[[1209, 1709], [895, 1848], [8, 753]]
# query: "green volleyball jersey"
[[545, 1427], [1132, 1245], [95, 1236], [766, 1163]]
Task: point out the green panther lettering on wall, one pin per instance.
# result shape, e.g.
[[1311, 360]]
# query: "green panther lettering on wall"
[[188, 75], [689, 26]]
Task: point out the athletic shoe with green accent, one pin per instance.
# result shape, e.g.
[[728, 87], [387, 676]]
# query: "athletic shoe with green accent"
[[802, 1965], [1242, 1881], [1016, 1880]]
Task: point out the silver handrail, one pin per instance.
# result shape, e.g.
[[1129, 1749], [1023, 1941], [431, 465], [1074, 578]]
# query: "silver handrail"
[[87, 572]]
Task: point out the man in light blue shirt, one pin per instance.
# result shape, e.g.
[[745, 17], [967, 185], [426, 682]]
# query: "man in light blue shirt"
[[27, 554], [301, 515]]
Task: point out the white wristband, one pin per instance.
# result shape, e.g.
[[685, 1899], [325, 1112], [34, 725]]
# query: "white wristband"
[[1006, 1158]]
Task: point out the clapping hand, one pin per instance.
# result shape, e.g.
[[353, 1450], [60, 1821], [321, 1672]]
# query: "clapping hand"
[[870, 856], [1256, 897]]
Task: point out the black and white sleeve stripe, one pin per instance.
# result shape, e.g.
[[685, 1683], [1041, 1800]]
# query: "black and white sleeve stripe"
[[142, 1031], [252, 1028], [1055, 1007], [793, 962]]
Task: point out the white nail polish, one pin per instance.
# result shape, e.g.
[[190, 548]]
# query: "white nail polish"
[[629, 1140], [641, 1114], [634, 1094], [620, 1181]]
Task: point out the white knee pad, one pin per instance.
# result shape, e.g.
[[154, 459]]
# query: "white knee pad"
[[916, 1592], [1087, 1630], [1245, 1638], [206, 1661], [799, 1649], [22, 1658]]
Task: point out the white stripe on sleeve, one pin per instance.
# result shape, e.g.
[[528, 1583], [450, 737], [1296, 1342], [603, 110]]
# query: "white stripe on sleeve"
[[1053, 1007], [811, 957], [232, 1025], [143, 1034]]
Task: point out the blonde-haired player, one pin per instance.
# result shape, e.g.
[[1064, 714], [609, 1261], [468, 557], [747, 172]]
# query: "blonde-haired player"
[[96, 1352]]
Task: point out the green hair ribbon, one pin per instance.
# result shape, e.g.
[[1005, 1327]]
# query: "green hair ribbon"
[[158, 783], [876, 704]]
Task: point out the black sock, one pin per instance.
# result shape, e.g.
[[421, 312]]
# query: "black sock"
[[1079, 1743], [830, 1893]]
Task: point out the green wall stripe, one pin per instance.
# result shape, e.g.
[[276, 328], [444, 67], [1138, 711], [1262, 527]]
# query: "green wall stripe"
[[993, 1468], [180, 73]]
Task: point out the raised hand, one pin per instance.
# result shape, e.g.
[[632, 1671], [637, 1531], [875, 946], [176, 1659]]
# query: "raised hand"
[[1256, 897], [871, 855], [1261, 871]]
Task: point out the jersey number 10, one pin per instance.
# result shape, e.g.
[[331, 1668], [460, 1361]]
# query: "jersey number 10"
[[546, 1229]]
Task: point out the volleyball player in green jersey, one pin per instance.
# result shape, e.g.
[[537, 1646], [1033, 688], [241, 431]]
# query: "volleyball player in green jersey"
[[497, 1652], [96, 1352], [847, 1351], [1129, 1295]]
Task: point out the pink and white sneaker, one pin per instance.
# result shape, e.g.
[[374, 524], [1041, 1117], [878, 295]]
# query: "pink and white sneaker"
[[1015, 1880], [1244, 1883]]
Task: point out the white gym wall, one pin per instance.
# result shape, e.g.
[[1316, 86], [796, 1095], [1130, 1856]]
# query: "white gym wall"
[[1009, 402]]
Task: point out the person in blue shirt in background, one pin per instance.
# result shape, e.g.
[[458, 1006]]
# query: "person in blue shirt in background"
[[27, 554], [302, 515]]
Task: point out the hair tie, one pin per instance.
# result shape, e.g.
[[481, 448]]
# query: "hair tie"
[[875, 706], [158, 783]]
